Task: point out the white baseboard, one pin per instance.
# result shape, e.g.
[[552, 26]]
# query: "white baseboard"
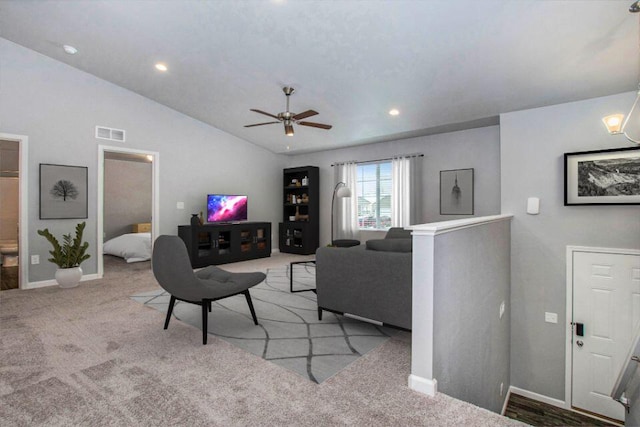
[[423, 385], [275, 251], [506, 402], [539, 397], [52, 282]]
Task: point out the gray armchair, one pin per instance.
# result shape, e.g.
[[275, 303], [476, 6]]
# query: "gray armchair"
[[172, 270]]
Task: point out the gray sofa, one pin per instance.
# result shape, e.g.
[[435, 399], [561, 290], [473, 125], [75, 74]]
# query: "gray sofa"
[[371, 280]]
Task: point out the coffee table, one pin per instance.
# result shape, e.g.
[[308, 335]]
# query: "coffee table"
[[291, 275]]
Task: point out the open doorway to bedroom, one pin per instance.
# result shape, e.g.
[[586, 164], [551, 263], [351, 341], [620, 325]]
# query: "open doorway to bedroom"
[[128, 208]]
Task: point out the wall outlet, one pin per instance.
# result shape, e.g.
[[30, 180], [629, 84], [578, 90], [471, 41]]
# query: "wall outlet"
[[501, 309], [550, 317], [35, 259], [180, 205], [501, 389]]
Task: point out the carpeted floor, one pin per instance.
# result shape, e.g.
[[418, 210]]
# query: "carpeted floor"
[[289, 332], [92, 356]]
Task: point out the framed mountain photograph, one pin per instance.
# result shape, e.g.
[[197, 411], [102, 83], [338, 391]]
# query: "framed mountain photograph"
[[63, 191], [605, 177]]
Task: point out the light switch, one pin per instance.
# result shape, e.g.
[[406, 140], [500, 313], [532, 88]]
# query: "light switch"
[[533, 206], [550, 317], [180, 205], [35, 259]]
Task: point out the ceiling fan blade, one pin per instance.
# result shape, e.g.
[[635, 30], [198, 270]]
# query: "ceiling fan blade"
[[304, 115], [260, 124], [315, 125], [264, 112]]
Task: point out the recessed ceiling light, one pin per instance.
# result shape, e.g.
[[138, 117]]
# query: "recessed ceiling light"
[[394, 112], [70, 49], [160, 66]]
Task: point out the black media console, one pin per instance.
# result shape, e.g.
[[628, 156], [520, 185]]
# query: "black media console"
[[212, 244]]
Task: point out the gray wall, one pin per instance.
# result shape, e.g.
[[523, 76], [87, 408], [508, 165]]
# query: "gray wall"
[[58, 107], [475, 148], [127, 195], [532, 147], [471, 342]]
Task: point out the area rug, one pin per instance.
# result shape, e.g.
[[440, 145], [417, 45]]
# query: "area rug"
[[289, 333]]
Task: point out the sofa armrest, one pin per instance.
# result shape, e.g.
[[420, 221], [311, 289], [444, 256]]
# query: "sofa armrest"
[[371, 284]]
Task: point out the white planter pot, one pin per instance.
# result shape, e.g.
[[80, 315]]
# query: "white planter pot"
[[68, 277]]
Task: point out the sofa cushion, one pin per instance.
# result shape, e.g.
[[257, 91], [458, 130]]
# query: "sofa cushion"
[[398, 233], [390, 245]]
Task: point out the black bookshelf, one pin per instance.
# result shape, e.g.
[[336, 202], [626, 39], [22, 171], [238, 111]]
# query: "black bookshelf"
[[300, 227]]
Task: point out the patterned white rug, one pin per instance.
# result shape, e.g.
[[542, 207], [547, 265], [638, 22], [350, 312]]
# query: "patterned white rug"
[[289, 332]]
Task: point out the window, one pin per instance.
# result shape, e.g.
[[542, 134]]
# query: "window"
[[374, 195]]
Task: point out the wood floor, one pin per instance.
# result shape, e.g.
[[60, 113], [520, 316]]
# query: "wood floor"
[[540, 414]]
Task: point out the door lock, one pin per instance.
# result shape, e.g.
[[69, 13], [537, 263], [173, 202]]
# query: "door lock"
[[580, 343]]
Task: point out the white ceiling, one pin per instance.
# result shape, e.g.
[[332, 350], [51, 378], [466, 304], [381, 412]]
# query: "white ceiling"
[[444, 64]]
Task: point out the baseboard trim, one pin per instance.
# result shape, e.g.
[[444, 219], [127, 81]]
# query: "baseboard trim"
[[52, 282], [506, 402], [539, 397], [423, 385]]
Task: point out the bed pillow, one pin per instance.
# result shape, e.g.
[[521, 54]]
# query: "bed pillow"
[[133, 247], [398, 233], [390, 245]]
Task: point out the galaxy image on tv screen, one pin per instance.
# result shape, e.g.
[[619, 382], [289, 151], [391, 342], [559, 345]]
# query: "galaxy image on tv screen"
[[226, 208]]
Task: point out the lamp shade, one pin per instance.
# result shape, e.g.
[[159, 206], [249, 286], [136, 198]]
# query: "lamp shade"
[[343, 192], [613, 123]]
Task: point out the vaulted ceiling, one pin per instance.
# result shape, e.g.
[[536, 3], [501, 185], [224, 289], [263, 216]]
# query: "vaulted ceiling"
[[443, 64]]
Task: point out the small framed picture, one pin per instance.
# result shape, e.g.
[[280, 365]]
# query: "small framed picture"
[[63, 192], [604, 177], [456, 192]]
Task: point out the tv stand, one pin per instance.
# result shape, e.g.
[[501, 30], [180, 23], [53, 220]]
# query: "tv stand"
[[221, 243]]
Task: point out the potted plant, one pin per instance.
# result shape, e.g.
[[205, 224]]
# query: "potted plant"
[[68, 256]]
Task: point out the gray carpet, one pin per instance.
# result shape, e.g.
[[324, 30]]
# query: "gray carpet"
[[289, 333], [90, 356]]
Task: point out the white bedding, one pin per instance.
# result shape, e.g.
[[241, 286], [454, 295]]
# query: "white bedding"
[[133, 247]]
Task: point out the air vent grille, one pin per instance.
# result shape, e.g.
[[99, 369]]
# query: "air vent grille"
[[111, 134]]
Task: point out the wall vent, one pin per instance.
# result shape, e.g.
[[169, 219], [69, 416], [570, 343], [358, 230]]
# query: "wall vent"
[[111, 134]]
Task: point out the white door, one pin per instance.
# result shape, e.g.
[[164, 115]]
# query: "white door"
[[606, 301]]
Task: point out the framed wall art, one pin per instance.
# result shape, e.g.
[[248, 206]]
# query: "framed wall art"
[[63, 192], [604, 177], [456, 192]]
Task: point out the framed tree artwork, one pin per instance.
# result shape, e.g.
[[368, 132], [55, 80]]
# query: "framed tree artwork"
[[604, 177], [63, 192], [456, 192]]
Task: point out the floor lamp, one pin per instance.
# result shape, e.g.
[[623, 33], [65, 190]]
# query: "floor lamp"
[[340, 191]]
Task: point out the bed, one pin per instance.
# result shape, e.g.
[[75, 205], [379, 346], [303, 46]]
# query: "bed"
[[133, 247]]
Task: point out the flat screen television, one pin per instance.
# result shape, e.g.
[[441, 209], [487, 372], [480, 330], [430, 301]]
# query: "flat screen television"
[[226, 208]]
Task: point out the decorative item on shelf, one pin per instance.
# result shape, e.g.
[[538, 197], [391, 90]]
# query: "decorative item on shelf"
[[294, 182], [341, 191], [298, 184], [195, 221], [298, 200], [292, 218], [305, 181], [68, 256], [297, 217], [201, 218], [305, 198]]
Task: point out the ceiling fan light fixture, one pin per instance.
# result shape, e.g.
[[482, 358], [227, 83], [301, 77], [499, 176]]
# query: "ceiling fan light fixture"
[[635, 7], [288, 130]]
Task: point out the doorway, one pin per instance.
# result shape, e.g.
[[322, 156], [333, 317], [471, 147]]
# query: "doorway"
[[125, 204], [603, 310], [13, 211]]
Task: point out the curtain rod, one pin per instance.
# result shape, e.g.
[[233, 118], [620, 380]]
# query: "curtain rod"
[[379, 160]]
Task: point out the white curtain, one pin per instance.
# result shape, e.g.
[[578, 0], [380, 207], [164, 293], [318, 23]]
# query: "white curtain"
[[406, 191], [346, 218]]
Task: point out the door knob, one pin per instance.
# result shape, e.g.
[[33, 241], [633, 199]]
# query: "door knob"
[[580, 343]]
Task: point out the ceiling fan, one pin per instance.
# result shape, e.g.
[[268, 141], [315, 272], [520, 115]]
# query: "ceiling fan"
[[288, 118]]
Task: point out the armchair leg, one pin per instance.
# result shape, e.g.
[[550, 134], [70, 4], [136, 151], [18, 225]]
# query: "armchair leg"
[[205, 312], [253, 312], [209, 306], [319, 313], [172, 301]]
